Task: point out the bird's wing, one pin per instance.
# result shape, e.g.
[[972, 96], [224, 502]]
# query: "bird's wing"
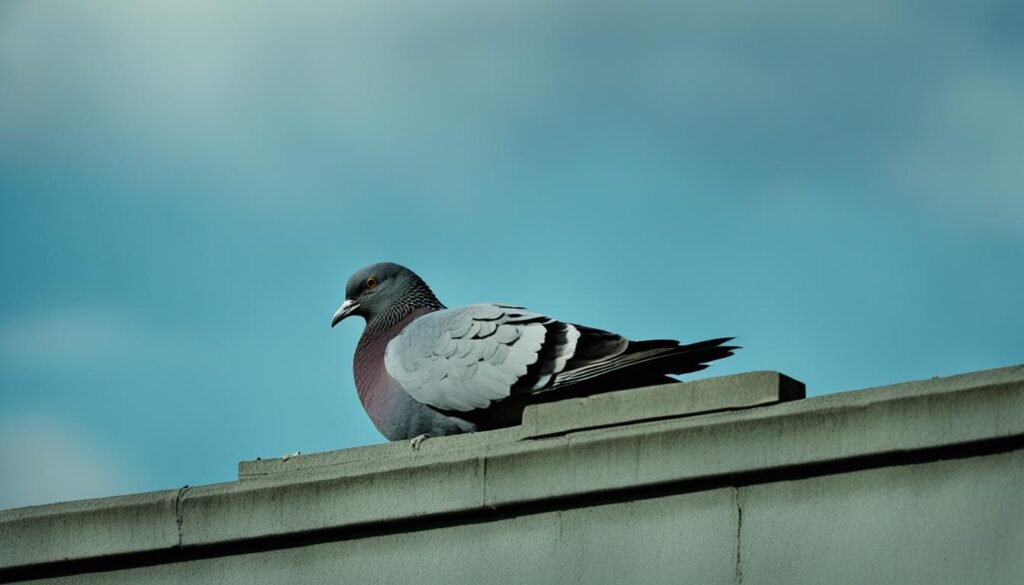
[[467, 358]]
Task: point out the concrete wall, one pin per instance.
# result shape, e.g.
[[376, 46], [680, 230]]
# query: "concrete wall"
[[914, 483]]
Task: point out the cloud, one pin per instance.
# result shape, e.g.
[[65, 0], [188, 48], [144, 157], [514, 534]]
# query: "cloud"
[[299, 106], [46, 460], [70, 336]]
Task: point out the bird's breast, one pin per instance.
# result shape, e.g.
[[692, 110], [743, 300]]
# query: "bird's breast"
[[382, 397]]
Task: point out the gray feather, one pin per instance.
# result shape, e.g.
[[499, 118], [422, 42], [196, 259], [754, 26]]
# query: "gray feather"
[[466, 372]]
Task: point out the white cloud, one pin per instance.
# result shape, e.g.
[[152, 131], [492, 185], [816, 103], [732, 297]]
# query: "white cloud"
[[206, 90], [49, 461], [290, 104]]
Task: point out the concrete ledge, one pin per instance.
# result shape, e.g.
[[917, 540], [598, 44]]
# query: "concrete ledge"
[[930, 414], [660, 402], [468, 475], [88, 528], [318, 501], [359, 460]]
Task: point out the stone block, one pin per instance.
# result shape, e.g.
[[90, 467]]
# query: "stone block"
[[660, 402]]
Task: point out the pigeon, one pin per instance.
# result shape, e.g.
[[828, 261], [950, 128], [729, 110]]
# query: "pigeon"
[[424, 370]]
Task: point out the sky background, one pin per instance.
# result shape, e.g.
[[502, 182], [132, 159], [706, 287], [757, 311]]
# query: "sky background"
[[186, 187]]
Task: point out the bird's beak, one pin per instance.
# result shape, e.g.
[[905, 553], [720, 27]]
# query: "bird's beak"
[[344, 311]]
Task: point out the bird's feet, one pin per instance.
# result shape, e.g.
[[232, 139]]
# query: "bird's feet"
[[416, 441]]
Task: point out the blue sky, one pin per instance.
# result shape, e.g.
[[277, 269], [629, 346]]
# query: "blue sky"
[[186, 187]]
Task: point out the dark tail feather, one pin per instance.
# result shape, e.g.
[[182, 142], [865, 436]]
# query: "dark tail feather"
[[695, 356], [643, 361]]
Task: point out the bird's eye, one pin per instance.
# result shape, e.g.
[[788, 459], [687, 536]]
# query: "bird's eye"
[[371, 282]]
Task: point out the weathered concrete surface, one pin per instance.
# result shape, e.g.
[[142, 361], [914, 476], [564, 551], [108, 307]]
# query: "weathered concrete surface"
[[945, 522], [296, 504], [835, 428], [88, 528], [660, 402], [392, 455], [686, 538], [581, 503], [957, 521]]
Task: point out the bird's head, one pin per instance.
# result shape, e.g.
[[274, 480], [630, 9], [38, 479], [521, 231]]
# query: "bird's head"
[[379, 288]]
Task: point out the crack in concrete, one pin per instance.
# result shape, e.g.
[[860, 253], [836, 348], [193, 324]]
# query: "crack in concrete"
[[178, 518], [483, 480], [739, 535]]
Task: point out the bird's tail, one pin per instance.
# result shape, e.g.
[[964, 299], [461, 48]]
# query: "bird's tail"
[[648, 362]]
